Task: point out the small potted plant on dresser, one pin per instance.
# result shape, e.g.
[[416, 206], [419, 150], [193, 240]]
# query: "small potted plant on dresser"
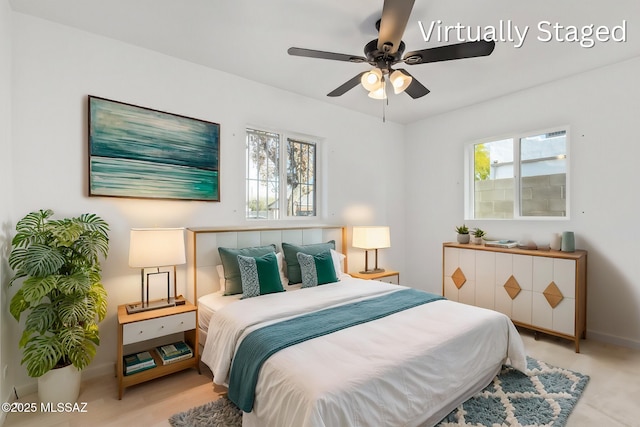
[[62, 293], [478, 234], [463, 233]]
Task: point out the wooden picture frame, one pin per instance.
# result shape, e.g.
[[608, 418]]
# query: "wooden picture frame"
[[144, 153]]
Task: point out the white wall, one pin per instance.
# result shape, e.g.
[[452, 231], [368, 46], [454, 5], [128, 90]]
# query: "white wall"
[[7, 324], [602, 108], [56, 67]]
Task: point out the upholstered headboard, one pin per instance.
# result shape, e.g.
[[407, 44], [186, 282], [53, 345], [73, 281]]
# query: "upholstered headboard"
[[203, 243]]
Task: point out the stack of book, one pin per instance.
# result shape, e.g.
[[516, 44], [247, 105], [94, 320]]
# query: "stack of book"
[[138, 362], [501, 243], [175, 352]]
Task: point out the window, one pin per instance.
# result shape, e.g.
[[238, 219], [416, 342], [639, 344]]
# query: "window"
[[523, 176], [281, 175]]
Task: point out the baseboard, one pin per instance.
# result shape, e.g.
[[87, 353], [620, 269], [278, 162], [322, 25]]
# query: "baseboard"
[[107, 368], [89, 373], [612, 339], [25, 389]]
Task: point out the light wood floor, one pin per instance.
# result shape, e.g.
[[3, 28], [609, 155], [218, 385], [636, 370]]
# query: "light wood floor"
[[611, 398]]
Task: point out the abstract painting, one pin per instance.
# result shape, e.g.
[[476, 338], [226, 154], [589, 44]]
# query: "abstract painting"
[[144, 153]]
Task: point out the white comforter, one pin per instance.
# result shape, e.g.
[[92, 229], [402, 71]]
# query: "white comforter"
[[408, 369]]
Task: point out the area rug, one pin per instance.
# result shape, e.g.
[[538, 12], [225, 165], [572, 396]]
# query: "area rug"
[[543, 397]]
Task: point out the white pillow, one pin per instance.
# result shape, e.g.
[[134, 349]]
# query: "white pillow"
[[283, 277], [220, 270], [338, 262]]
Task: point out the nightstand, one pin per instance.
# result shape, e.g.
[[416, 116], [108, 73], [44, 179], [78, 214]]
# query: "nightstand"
[[137, 328], [388, 276]]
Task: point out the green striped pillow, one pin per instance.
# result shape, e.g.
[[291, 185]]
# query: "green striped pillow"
[[290, 256], [229, 258], [316, 269], [260, 275]]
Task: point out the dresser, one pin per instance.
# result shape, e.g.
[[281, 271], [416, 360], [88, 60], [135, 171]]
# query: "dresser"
[[544, 291]]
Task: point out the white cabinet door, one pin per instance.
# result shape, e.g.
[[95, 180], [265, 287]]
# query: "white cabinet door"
[[485, 279], [523, 275], [513, 286], [561, 272], [467, 292], [459, 275], [504, 269], [451, 264], [542, 314], [564, 275]]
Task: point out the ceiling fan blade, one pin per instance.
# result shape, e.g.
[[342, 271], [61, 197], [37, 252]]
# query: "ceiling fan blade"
[[450, 52], [395, 15], [347, 86], [415, 88], [310, 53]]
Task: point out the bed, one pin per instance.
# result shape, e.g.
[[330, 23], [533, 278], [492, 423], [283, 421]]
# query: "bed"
[[411, 367]]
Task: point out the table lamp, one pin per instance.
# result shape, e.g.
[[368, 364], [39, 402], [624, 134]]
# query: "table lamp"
[[155, 248], [368, 238]]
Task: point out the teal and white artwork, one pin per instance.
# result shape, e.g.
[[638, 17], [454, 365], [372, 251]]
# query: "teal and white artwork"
[[144, 153]]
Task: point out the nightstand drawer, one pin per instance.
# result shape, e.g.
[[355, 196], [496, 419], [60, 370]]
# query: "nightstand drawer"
[[158, 327], [394, 280]]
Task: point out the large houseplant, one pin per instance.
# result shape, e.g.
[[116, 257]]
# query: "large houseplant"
[[60, 261]]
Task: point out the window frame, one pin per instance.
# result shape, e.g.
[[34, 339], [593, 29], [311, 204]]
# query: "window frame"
[[284, 137], [516, 137]]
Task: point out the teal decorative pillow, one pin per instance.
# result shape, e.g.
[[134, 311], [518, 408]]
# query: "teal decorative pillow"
[[290, 257], [317, 269], [260, 275], [229, 258]]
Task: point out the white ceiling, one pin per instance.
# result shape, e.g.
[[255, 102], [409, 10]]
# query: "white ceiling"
[[250, 38]]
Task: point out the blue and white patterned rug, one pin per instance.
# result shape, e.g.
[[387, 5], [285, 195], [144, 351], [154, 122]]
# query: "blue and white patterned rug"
[[543, 397]]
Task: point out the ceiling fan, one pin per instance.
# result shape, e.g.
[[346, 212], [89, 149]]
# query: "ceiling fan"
[[386, 51]]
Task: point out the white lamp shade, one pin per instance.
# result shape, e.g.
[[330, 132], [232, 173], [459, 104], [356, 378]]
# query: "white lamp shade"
[[373, 237], [399, 81], [379, 93], [156, 247]]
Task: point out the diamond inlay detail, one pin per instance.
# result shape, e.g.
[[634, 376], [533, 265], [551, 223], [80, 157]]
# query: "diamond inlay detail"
[[458, 278], [512, 287], [553, 295]]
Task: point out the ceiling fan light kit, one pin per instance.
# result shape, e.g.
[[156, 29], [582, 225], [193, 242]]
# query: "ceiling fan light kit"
[[387, 50]]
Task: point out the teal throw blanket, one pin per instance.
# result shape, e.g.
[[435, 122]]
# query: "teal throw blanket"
[[260, 344]]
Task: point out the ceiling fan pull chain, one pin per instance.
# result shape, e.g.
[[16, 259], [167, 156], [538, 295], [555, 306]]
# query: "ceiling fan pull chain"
[[385, 102]]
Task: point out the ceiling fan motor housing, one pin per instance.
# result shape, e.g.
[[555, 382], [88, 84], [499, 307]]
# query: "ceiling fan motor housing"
[[380, 58]]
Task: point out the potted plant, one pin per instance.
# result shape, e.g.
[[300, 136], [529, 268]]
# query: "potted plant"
[[59, 261], [463, 233], [478, 234]]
